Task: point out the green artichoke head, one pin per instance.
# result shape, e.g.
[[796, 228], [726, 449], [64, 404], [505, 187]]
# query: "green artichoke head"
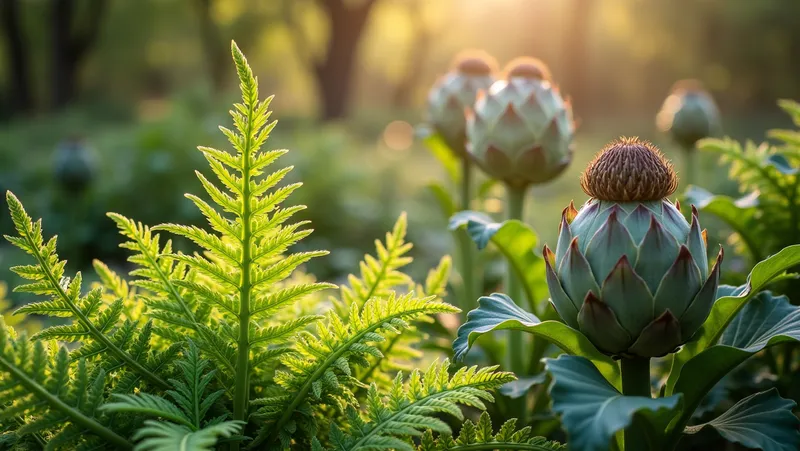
[[520, 131], [455, 92], [689, 114], [629, 271], [74, 164]]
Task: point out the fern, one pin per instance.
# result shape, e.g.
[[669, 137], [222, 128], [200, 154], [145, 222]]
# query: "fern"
[[320, 370], [95, 324], [476, 437], [768, 218], [115, 287], [243, 261], [159, 276], [39, 382], [380, 277], [410, 408], [258, 360], [186, 427]]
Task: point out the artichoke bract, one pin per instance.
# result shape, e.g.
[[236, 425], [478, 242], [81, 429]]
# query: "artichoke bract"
[[520, 131], [689, 113], [629, 271], [455, 92]]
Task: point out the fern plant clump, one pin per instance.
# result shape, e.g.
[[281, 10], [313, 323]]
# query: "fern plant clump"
[[220, 348]]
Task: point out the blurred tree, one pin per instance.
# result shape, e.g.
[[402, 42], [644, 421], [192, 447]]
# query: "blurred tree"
[[334, 72], [215, 48], [20, 94], [71, 44], [418, 50], [576, 41]]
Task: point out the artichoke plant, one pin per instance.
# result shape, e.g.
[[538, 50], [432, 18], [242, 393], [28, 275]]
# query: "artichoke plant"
[[689, 113], [74, 165], [629, 271], [520, 131], [455, 92]]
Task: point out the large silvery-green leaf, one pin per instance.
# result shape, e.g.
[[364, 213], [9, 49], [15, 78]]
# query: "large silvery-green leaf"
[[517, 241], [499, 312], [761, 421], [726, 308], [765, 321], [520, 387], [591, 410]]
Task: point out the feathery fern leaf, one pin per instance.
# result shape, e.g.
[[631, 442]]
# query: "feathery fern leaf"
[[156, 273], [320, 370], [400, 350], [410, 408], [39, 383], [185, 416], [476, 437], [115, 287], [161, 436], [245, 258], [381, 276], [94, 325]]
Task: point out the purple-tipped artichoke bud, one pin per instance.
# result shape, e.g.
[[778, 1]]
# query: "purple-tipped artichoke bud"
[[689, 114], [521, 129], [629, 271], [455, 92]]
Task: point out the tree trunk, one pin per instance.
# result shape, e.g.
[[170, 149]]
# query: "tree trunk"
[[334, 74], [418, 53], [21, 97], [70, 47]]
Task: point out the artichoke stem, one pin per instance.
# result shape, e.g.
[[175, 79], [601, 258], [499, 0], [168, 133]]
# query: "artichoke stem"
[[518, 352], [466, 246], [635, 382]]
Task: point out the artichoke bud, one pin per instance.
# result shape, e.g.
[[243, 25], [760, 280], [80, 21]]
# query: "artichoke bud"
[[629, 271], [688, 114], [74, 165], [456, 92], [520, 131]]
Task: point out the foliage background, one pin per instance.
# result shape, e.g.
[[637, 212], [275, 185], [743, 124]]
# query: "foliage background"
[[142, 82]]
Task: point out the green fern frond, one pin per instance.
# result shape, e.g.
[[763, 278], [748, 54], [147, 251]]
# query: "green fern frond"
[[185, 415], [379, 276], [401, 350], [238, 274], [410, 408], [94, 326], [156, 272], [113, 287], [767, 219], [162, 436], [481, 437], [39, 383], [320, 370]]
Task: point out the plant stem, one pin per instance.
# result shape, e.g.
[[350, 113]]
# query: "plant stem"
[[241, 395], [518, 353], [635, 382], [466, 246]]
